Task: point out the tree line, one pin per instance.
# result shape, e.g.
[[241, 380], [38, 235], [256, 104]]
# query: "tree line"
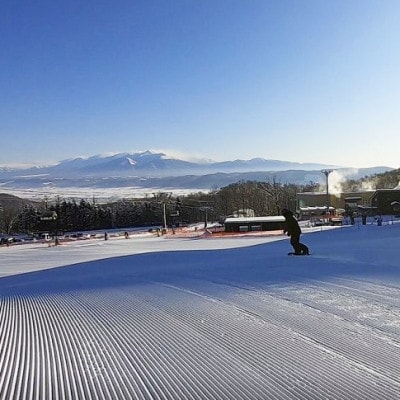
[[66, 215]]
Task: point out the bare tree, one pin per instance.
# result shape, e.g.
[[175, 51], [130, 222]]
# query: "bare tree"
[[274, 192]]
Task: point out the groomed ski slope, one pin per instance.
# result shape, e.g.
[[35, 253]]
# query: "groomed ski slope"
[[212, 318]]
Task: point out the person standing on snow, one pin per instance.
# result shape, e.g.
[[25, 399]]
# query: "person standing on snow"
[[293, 230]]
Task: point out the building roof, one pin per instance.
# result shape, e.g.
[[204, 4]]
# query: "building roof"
[[315, 208], [246, 220]]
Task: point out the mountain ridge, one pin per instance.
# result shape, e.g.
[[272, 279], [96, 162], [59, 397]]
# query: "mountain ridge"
[[158, 171], [156, 164]]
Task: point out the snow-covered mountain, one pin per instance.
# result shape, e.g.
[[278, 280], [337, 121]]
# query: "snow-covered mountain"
[[158, 171], [123, 164], [156, 165]]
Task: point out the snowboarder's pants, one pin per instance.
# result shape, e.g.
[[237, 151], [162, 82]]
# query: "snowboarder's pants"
[[299, 248]]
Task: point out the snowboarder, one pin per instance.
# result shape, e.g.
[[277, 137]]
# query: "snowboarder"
[[293, 230]]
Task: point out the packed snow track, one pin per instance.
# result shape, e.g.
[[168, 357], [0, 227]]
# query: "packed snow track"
[[189, 320]]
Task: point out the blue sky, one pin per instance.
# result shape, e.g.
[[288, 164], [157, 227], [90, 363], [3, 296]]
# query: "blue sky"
[[295, 80]]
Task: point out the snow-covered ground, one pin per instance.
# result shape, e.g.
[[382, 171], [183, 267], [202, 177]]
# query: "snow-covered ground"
[[203, 318]]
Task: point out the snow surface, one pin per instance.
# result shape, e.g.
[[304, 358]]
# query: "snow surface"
[[203, 318]]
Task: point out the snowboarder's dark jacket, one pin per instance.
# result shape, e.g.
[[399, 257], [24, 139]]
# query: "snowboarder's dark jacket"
[[292, 227]]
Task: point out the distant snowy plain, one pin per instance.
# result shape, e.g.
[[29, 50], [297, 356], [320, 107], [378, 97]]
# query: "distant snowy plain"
[[203, 318]]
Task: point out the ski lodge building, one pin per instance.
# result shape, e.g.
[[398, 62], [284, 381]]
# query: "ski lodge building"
[[254, 224], [371, 202]]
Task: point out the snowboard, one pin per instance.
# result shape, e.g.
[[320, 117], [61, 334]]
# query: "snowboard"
[[294, 254]]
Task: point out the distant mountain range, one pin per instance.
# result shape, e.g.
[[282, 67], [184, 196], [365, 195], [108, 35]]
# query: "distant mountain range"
[[155, 165], [158, 171]]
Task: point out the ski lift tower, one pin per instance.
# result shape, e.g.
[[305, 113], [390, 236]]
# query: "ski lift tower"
[[326, 172], [205, 209]]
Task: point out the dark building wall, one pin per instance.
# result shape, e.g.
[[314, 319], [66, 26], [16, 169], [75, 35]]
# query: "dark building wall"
[[253, 226], [382, 200]]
